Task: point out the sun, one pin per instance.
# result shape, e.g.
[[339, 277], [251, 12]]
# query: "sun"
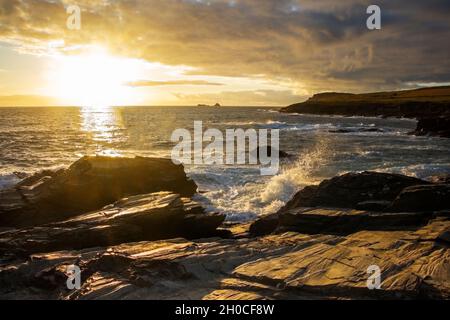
[[94, 79]]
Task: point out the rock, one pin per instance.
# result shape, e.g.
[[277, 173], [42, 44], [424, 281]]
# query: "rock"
[[353, 189], [264, 225], [367, 191], [153, 216], [337, 267], [374, 205], [88, 184], [337, 222], [414, 264], [445, 236], [20, 175], [441, 178], [35, 178], [346, 221], [433, 126], [281, 154], [422, 198], [356, 130]]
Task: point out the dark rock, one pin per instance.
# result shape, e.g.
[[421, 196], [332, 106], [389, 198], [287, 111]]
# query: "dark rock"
[[433, 126], [35, 178], [440, 179], [368, 191], [351, 189], [88, 184], [281, 154], [264, 225], [445, 236], [356, 130], [422, 198], [303, 198], [144, 217], [346, 221], [20, 175], [379, 205]]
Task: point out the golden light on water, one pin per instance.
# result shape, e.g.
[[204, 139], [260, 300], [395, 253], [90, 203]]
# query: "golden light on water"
[[104, 126]]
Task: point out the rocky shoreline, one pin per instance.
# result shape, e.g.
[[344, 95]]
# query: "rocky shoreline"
[[430, 106], [139, 235]]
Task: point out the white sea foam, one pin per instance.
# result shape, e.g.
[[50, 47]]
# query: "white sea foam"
[[422, 171], [246, 201], [8, 180]]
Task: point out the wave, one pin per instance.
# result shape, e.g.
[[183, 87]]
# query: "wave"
[[346, 117], [243, 200], [8, 180], [421, 171]]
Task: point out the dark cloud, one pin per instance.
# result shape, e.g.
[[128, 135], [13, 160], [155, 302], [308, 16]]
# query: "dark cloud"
[[321, 45]]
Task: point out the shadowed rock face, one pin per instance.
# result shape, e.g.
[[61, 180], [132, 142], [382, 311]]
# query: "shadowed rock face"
[[382, 202], [352, 190], [422, 198], [153, 216], [437, 126], [88, 184]]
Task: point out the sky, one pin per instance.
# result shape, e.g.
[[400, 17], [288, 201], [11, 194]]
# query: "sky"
[[235, 52]]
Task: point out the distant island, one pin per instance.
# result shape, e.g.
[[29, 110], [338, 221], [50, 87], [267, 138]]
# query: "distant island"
[[431, 106], [207, 105]]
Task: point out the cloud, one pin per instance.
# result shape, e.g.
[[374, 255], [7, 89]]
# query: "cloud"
[[150, 83], [320, 45]]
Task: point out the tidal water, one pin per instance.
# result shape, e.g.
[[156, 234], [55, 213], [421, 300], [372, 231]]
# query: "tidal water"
[[32, 139]]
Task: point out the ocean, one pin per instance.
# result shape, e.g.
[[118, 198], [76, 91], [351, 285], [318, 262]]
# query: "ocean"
[[33, 139]]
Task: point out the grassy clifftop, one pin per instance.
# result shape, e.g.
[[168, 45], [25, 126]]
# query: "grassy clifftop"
[[419, 103]]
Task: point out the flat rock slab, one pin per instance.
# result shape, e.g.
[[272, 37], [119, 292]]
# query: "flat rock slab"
[[346, 221], [414, 264]]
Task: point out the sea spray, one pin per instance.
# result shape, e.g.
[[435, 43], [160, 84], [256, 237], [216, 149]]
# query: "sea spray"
[[282, 187], [246, 200]]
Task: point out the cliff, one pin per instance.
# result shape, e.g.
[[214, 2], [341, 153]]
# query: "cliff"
[[423, 104]]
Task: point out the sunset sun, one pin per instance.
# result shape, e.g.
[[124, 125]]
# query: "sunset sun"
[[94, 79]]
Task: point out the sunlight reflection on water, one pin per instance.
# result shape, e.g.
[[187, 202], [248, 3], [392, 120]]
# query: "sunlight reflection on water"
[[103, 125]]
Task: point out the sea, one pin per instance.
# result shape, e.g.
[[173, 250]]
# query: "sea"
[[37, 138]]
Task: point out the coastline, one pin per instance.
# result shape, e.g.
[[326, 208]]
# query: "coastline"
[[430, 106], [132, 247]]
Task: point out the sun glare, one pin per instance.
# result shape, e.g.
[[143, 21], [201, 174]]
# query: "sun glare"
[[95, 79]]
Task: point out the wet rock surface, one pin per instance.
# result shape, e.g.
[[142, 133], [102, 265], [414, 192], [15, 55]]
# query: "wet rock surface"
[[153, 216], [353, 189], [88, 184], [414, 264], [163, 245]]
